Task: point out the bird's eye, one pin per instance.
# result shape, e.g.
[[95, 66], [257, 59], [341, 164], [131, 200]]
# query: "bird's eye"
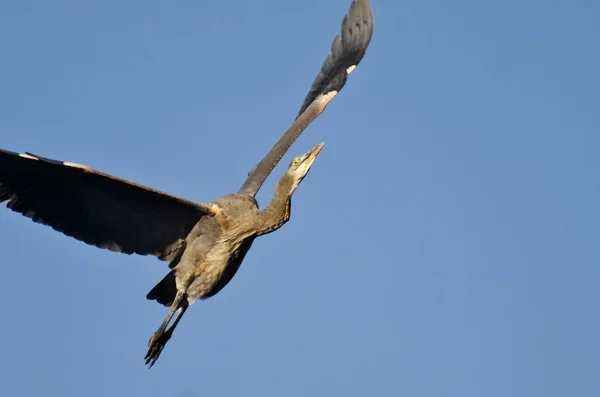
[[296, 162]]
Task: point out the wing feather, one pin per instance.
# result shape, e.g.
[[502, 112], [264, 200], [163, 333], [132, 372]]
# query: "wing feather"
[[97, 208], [347, 50]]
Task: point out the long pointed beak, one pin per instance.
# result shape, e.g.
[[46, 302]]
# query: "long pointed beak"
[[313, 153]]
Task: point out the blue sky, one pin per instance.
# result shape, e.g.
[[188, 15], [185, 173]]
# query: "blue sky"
[[444, 244]]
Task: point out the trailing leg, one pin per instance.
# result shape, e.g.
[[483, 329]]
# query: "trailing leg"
[[162, 335]]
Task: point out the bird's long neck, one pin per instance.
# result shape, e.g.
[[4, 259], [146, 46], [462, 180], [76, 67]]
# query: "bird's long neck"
[[277, 212]]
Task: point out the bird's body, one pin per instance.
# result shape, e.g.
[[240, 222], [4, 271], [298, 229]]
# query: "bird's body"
[[204, 243], [217, 245]]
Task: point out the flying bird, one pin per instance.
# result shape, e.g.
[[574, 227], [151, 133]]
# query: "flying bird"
[[203, 243]]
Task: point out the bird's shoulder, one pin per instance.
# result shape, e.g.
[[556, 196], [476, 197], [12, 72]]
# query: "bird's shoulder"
[[234, 213], [234, 205]]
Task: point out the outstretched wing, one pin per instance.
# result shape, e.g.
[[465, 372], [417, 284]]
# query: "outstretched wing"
[[97, 208], [347, 50]]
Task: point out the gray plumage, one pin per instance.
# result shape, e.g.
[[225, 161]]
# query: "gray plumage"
[[204, 243]]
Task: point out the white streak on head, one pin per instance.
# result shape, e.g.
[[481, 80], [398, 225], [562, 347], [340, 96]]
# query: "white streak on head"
[[75, 165], [350, 69], [27, 156]]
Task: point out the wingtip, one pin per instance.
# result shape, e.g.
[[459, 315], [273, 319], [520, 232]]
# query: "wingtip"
[[357, 30], [347, 51]]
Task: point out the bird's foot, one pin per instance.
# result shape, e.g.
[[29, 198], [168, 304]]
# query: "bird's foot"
[[155, 346]]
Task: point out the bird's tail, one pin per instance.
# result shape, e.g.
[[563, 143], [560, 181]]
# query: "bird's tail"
[[164, 292]]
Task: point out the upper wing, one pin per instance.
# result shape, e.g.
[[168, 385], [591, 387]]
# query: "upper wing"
[[347, 50], [97, 208]]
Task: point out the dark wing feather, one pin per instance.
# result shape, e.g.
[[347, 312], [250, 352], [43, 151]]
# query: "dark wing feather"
[[346, 52], [97, 208]]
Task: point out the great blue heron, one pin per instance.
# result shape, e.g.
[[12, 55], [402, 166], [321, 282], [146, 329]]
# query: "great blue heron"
[[204, 244]]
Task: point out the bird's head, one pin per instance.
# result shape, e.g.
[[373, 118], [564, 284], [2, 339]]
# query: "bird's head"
[[300, 165]]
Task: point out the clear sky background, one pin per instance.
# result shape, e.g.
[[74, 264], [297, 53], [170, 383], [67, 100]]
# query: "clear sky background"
[[445, 243]]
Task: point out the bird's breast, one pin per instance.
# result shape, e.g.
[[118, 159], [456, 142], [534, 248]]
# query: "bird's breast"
[[219, 266]]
